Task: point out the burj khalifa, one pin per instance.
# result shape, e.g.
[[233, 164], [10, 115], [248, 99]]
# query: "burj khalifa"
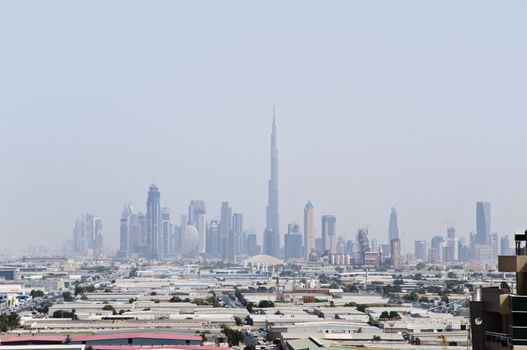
[[272, 228]]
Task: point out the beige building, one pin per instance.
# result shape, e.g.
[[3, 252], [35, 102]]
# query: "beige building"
[[498, 315], [309, 230], [395, 245]]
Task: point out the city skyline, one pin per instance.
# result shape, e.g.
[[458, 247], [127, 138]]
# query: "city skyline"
[[392, 108]]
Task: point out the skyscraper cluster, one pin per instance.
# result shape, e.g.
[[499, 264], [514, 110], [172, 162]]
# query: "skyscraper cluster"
[[88, 236], [155, 234], [483, 244]]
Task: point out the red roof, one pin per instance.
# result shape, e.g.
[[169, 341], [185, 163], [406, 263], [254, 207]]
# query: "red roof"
[[27, 338], [172, 347], [137, 335]]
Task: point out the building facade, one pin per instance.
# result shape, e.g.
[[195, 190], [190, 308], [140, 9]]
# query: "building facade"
[[329, 234], [309, 230], [272, 227]]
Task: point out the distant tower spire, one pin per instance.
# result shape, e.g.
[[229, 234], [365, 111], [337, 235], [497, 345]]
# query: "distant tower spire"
[[272, 228]]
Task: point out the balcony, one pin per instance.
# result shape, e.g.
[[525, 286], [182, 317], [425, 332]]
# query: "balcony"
[[496, 341]]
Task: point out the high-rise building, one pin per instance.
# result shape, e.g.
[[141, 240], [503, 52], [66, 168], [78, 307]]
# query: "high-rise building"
[[341, 245], [125, 247], [213, 239], [309, 230], [226, 239], [451, 250], [237, 233], [363, 246], [436, 249], [505, 246], [166, 232], [420, 251], [463, 250], [153, 223], [395, 245], [374, 245], [482, 222], [252, 246], [329, 234], [197, 217], [88, 236], [139, 235], [450, 232], [293, 242], [494, 242], [393, 226], [272, 227]]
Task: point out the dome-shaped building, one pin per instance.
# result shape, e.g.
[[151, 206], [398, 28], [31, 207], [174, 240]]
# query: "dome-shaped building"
[[190, 241]]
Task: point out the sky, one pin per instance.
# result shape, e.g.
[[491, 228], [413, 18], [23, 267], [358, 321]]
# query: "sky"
[[419, 105]]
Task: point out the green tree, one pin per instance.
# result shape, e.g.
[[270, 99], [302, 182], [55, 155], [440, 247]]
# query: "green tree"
[[351, 289], [389, 315], [36, 293], [265, 304], [234, 337], [412, 297], [65, 314], [250, 308], [394, 315], [110, 308], [67, 296], [238, 320], [9, 321]]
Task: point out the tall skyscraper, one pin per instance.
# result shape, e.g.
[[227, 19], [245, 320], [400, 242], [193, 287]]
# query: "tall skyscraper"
[[252, 246], [166, 232], [494, 242], [139, 238], [329, 234], [88, 236], [293, 242], [213, 239], [505, 246], [436, 251], [153, 223], [309, 230], [272, 227], [451, 250], [420, 251], [125, 246], [226, 241], [395, 245], [393, 226], [482, 222], [362, 246], [197, 217], [237, 233]]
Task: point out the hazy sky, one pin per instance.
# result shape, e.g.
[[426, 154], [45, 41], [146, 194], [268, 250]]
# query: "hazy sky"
[[419, 105]]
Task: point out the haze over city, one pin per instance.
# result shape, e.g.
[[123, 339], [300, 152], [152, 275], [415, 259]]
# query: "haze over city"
[[405, 105]]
